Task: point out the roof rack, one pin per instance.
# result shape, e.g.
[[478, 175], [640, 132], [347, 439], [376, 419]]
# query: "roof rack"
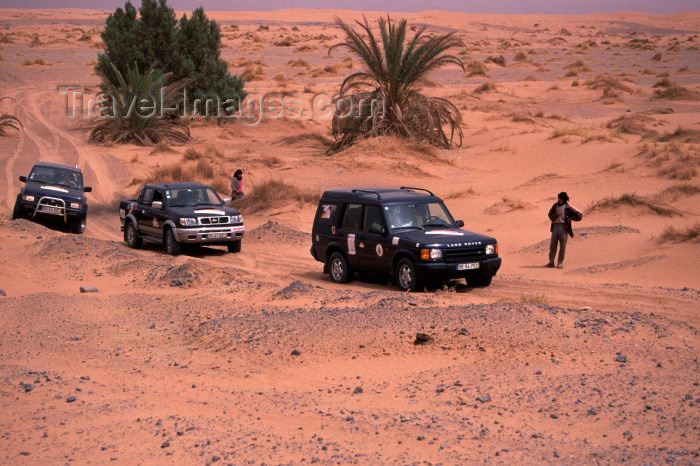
[[379, 196], [419, 189]]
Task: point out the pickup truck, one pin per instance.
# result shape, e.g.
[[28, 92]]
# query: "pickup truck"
[[180, 213]]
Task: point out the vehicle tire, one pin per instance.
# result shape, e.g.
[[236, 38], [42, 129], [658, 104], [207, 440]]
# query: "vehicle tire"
[[78, 226], [338, 268], [171, 245], [234, 246], [406, 277], [17, 211], [479, 281], [131, 236]]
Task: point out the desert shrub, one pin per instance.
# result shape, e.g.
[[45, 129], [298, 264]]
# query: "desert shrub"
[[130, 125], [272, 193], [185, 50], [520, 56], [252, 73], [665, 83], [681, 134], [605, 81], [674, 235], [579, 66], [630, 124], [634, 201], [656, 57], [672, 91], [477, 68], [299, 63], [539, 298], [35, 42], [191, 154], [568, 131], [392, 71], [499, 60], [488, 86]]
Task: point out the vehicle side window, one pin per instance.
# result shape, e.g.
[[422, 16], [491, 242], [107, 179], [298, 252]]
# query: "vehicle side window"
[[353, 217], [326, 213], [158, 196], [373, 217], [148, 196]]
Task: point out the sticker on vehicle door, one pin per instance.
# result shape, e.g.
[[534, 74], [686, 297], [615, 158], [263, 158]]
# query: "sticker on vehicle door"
[[351, 244]]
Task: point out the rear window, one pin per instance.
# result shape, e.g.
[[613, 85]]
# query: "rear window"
[[326, 213]]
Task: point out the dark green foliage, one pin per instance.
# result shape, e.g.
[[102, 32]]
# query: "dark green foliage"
[[152, 38], [131, 122], [394, 65]]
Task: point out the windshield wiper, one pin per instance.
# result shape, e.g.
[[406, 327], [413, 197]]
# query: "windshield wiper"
[[411, 227]]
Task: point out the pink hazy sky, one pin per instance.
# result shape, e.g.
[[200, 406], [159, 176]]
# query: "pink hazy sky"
[[470, 6]]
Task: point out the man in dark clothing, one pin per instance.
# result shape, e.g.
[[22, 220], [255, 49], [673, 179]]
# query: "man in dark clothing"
[[237, 184], [561, 214]]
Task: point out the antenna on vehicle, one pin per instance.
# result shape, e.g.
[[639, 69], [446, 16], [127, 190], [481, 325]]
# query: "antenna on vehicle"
[[379, 197], [419, 189]]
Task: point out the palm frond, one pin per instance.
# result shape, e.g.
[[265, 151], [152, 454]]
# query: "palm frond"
[[125, 124]]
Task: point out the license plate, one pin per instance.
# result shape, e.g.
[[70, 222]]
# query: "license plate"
[[51, 210], [217, 235], [469, 266]]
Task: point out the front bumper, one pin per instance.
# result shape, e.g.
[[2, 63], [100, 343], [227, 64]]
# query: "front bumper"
[[54, 207], [444, 271], [210, 235]]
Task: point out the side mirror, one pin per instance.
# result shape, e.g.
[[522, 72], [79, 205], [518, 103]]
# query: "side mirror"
[[227, 200], [87, 189], [459, 223], [23, 179], [157, 204], [376, 230]]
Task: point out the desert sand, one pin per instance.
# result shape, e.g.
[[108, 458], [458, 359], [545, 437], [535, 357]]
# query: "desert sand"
[[257, 357]]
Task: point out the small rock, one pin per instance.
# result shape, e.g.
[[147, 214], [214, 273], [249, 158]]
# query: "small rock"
[[357, 391], [88, 289], [215, 458], [592, 411], [621, 358], [70, 399], [27, 387], [420, 437], [483, 398], [463, 331], [295, 352], [165, 444], [2, 293], [24, 453], [422, 338], [554, 416]]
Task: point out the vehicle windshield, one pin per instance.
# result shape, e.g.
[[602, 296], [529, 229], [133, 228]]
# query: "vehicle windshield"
[[192, 197], [417, 216], [57, 176]]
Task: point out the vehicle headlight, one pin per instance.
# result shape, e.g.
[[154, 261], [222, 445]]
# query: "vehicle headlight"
[[239, 219], [492, 248], [431, 254], [29, 198], [188, 222], [75, 205]]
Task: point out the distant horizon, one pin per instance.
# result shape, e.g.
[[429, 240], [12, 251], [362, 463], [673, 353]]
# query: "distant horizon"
[[570, 7]]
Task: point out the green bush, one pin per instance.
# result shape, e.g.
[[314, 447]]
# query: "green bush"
[[153, 38]]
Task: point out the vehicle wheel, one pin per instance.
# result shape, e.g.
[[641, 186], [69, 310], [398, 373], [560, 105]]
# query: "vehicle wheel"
[[479, 281], [17, 211], [406, 275], [171, 244], [234, 246], [131, 236], [339, 268], [78, 226]]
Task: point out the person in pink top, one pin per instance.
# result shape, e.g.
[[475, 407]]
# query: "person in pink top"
[[237, 184]]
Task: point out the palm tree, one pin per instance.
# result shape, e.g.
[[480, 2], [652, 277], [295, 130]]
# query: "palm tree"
[[8, 121], [393, 69], [128, 122]]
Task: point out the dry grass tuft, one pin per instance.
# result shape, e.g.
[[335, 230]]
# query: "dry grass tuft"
[[252, 73], [631, 124], [579, 66], [539, 298], [681, 135], [477, 68], [671, 91], [499, 60], [607, 83], [567, 132], [191, 154], [673, 235], [675, 192], [634, 201], [485, 87], [298, 63], [461, 194], [273, 193]]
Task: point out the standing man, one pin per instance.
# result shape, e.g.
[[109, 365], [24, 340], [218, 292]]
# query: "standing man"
[[561, 214], [237, 184]]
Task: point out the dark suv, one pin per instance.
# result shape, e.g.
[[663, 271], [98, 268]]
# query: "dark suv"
[[55, 191], [407, 232]]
